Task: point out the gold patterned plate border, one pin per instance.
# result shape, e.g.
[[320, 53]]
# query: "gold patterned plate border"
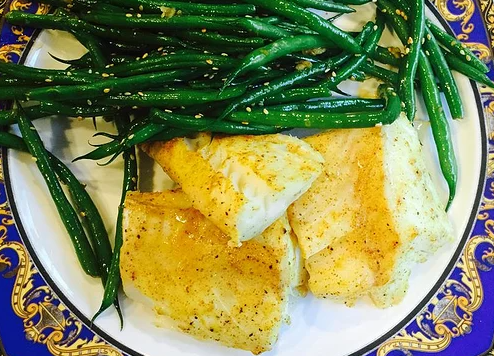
[[50, 328]]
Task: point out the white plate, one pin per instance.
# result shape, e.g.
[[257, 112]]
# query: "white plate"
[[318, 327]]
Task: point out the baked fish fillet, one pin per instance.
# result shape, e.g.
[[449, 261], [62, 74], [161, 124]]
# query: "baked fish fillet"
[[241, 183], [370, 215], [177, 262]]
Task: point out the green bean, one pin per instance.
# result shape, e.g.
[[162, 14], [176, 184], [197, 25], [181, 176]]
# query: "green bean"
[[325, 6], [75, 110], [298, 95], [460, 66], [444, 75], [292, 79], [262, 29], [16, 93], [323, 120], [186, 8], [209, 125], [217, 39], [108, 149], [356, 62], [46, 76], [408, 70], [313, 21], [69, 217], [129, 184], [352, 2], [170, 61], [173, 97], [439, 126], [457, 48], [106, 86], [380, 73], [73, 24], [82, 201], [9, 117], [91, 43], [331, 106], [275, 50], [157, 22], [384, 56]]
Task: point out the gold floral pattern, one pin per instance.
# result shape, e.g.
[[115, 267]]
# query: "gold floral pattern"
[[45, 321]]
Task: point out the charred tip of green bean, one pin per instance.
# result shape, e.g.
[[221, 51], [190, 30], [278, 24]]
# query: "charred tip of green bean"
[[113, 158], [452, 194], [104, 134]]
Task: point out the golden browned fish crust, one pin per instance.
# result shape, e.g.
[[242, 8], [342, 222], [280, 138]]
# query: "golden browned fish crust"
[[179, 263]]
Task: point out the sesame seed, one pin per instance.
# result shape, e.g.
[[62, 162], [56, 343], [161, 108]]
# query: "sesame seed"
[[245, 122], [462, 52], [205, 52], [128, 15], [384, 11], [127, 93], [327, 70], [107, 66], [141, 8], [266, 83], [206, 75], [428, 36], [398, 12], [333, 74], [468, 58], [112, 74], [248, 109], [224, 54], [132, 157], [138, 15], [198, 116], [80, 118], [83, 214], [106, 90], [89, 102], [203, 30], [168, 111], [209, 61], [69, 74], [138, 58], [248, 16], [453, 43], [265, 111], [427, 53], [134, 179], [423, 40], [410, 40], [375, 27], [130, 137], [160, 49], [48, 80], [145, 55], [134, 107], [407, 50], [140, 93], [105, 75]]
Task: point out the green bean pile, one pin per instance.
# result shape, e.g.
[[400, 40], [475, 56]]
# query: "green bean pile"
[[163, 69]]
